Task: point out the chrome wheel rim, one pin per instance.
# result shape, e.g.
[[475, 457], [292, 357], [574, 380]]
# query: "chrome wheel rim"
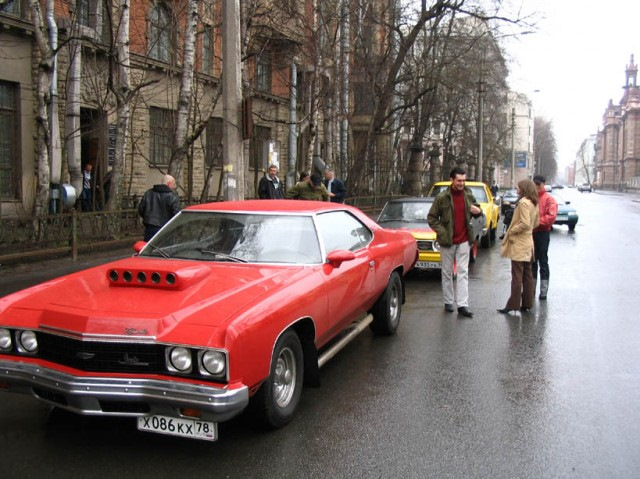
[[394, 304], [284, 380]]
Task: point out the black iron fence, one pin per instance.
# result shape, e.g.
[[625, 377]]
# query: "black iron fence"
[[29, 239], [66, 233]]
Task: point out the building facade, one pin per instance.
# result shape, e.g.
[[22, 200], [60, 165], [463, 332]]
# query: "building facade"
[[617, 149]]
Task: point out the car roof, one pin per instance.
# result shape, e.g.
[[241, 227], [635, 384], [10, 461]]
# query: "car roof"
[[467, 182], [413, 199], [271, 206]]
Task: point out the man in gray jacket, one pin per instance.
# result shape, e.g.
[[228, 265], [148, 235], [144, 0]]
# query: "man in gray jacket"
[[450, 217], [158, 205]]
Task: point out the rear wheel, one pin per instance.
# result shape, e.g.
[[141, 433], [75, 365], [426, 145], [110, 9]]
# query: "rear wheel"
[[386, 312], [277, 399], [572, 226], [485, 241]]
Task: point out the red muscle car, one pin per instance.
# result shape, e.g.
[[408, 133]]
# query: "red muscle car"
[[230, 305]]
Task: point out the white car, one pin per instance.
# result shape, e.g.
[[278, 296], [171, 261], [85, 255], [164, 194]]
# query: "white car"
[[585, 187]]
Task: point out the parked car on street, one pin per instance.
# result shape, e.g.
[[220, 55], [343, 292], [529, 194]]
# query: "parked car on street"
[[487, 202], [410, 214], [508, 199], [567, 214], [230, 305], [585, 187]]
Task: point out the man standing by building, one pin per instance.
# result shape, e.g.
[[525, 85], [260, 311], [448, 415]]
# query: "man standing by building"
[[87, 186], [450, 217], [334, 186], [270, 186], [542, 235], [158, 205]]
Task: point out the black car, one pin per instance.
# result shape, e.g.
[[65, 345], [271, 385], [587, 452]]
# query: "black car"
[[509, 198]]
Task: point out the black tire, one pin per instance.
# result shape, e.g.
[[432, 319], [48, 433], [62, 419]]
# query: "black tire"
[[493, 232], [277, 399], [572, 226], [387, 310]]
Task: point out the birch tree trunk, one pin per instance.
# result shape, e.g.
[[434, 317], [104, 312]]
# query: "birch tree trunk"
[[122, 92], [72, 120], [43, 81], [184, 98]]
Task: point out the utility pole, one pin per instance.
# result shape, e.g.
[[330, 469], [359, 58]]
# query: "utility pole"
[[480, 125], [232, 148]]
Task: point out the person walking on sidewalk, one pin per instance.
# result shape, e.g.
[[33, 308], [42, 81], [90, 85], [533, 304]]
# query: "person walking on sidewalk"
[[158, 205], [548, 210], [450, 217]]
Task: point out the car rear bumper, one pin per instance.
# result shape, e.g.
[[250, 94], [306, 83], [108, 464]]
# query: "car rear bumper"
[[117, 396]]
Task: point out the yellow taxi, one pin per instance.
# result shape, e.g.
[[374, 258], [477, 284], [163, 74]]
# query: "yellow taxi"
[[487, 202], [411, 214]]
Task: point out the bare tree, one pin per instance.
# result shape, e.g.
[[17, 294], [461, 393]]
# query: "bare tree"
[[545, 148]]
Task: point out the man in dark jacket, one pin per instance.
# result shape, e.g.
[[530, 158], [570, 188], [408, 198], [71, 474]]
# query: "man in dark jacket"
[[270, 186], [334, 186], [450, 217], [158, 205]]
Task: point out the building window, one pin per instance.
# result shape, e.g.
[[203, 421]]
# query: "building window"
[[261, 134], [263, 72], [160, 33], [11, 7], [362, 99], [9, 157], [82, 12], [213, 156], [207, 50], [161, 128]]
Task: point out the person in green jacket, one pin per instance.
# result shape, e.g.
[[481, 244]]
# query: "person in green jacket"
[[309, 190], [450, 217]]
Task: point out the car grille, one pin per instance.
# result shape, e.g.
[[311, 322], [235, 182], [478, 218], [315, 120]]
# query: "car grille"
[[425, 245], [102, 356]]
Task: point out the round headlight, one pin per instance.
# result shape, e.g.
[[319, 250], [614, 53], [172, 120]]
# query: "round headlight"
[[5, 339], [213, 362], [180, 359], [436, 246], [28, 341]]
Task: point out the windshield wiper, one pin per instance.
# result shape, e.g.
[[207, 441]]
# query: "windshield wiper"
[[159, 250], [224, 255]]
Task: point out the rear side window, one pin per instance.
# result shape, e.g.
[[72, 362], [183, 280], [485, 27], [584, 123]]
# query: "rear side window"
[[340, 230]]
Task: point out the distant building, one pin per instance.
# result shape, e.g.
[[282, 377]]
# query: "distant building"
[[617, 153], [520, 155]]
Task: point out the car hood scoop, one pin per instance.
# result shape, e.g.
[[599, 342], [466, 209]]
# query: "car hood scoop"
[[113, 299]]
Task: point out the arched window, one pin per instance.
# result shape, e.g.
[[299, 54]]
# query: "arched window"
[[160, 33]]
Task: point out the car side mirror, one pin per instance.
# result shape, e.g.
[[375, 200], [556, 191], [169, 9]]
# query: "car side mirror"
[[339, 256], [138, 245]]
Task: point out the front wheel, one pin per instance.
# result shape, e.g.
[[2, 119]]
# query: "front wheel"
[[277, 399], [572, 226], [386, 311]]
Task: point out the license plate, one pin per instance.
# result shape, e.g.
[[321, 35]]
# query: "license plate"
[[174, 426], [562, 218], [428, 265]]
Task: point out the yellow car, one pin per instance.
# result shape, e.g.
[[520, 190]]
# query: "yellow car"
[[485, 199], [411, 214]]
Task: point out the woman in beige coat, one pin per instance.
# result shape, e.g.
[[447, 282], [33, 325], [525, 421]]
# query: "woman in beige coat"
[[518, 246]]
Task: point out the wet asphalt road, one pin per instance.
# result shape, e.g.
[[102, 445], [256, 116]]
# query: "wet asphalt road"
[[555, 393]]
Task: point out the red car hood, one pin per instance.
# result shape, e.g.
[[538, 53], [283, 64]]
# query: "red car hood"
[[99, 302]]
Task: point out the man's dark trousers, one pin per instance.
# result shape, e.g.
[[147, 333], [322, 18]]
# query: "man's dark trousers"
[[541, 246]]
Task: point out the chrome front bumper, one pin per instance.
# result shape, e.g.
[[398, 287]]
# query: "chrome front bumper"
[[109, 396]]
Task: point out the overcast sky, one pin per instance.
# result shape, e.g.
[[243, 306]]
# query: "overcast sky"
[[577, 61]]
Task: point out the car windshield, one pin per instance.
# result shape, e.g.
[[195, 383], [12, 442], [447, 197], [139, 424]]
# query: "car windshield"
[[479, 192], [510, 194], [410, 211], [237, 237]]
